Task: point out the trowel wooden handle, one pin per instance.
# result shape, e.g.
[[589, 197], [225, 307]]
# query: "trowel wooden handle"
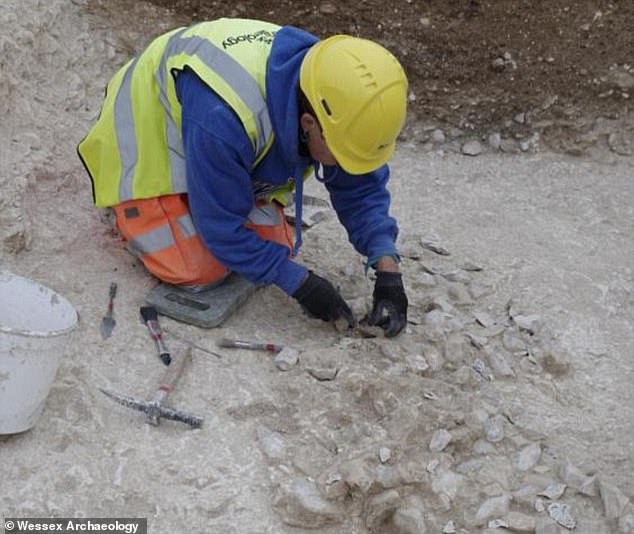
[[171, 376], [174, 370]]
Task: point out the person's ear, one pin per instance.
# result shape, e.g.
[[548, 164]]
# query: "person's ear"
[[308, 122]]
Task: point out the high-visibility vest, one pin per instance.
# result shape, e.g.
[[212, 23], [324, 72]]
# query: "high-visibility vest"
[[135, 149]]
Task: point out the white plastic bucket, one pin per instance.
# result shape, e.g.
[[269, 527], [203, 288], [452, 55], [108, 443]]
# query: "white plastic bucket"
[[35, 325]]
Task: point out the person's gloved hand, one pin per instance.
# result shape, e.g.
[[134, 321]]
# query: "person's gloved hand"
[[389, 307], [319, 299]]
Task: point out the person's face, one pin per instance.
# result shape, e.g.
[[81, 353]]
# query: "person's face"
[[316, 143]]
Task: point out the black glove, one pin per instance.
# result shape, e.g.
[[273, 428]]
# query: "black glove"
[[321, 300], [389, 307]]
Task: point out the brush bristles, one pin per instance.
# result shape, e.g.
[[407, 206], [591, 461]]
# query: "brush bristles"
[[225, 342], [149, 313]]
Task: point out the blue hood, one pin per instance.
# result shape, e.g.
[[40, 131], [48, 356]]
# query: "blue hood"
[[282, 85]]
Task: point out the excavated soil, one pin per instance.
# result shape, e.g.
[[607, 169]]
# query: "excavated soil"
[[477, 66]]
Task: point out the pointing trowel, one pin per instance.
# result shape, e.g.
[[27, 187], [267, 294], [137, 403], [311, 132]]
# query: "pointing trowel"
[[108, 322]]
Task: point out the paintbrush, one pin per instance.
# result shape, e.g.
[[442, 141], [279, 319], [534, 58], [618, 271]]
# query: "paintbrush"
[[150, 318]]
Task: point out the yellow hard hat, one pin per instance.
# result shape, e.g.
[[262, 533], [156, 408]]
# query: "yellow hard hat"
[[358, 91]]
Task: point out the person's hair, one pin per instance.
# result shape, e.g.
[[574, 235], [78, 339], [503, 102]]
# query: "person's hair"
[[304, 105]]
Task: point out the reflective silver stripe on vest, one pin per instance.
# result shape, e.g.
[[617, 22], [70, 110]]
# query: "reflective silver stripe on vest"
[[175, 149], [153, 241], [186, 226], [267, 215], [126, 135], [236, 76]]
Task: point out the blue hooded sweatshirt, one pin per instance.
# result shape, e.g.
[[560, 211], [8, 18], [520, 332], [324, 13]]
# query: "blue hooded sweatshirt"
[[221, 179]]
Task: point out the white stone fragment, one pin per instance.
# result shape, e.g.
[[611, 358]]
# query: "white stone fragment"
[[614, 501], [440, 440], [271, 443], [528, 457], [472, 148], [529, 323], [448, 483], [499, 364], [434, 246], [302, 505], [498, 523], [431, 466], [495, 139], [512, 342], [574, 478], [477, 341], [553, 491], [493, 507], [438, 136], [539, 506], [518, 522], [323, 374], [483, 447], [494, 429], [480, 367], [417, 363], [385, 454], [484, 318], [286, 359], [626, 524], [449, 528], [560, 512]]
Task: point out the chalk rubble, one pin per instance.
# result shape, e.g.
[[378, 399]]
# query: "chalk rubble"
[[528, 457], [271, 443], [574, 478], [302, 505], [492, 508], [519, 522], [380, 508], [410, 518], [560, 512], [440, 440], [494, 429], [614, 501]]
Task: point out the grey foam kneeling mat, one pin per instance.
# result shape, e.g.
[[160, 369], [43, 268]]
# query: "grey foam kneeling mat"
[[207, 308]]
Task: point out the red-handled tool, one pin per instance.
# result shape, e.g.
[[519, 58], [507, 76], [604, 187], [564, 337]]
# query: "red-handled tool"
[[252, 345], [150, 318]]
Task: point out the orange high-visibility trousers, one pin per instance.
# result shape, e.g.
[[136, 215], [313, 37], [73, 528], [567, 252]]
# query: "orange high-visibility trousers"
[[161, 233]]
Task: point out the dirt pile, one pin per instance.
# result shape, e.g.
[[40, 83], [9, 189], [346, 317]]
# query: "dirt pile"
[[516, 68]]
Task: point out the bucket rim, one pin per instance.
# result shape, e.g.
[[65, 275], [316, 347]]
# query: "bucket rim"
[[39, 333], [24, 332]]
